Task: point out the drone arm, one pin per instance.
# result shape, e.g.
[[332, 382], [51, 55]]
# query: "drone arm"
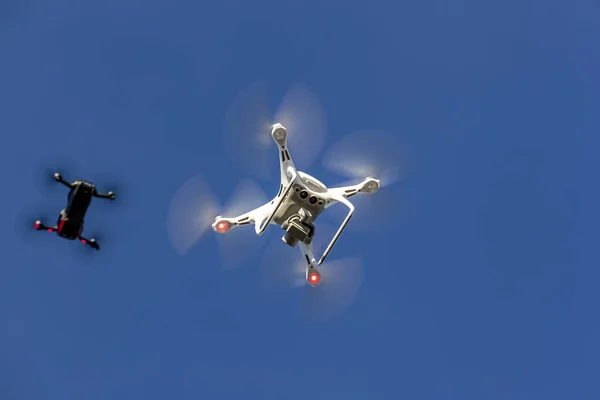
[[292, 174], [279, 134], [313, 277], [109, 195], [90, 242], [58, 178], [367, 186], [307, 253], [338, 198], [256, 216], [39, 226]]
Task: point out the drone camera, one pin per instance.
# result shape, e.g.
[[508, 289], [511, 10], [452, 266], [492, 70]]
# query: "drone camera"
[[313, 200], [297, 230], [290, 239], [303, 194]]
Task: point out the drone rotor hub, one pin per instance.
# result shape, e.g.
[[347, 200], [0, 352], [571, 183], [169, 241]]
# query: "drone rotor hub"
[[371, 186], [279, 133]]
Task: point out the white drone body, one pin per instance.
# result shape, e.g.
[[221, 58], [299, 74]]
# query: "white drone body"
[[301, 199]]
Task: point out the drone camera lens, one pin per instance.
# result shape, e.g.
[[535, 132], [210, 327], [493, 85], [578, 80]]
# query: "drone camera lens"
[[312, 200], [303, 194]]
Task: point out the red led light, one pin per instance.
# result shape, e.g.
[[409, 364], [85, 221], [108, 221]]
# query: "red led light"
[[222, 226], [36, 225], [49, 229], [314, 278], [83, 241]]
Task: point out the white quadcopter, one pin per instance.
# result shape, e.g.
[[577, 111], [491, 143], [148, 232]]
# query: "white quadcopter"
[[301, 199]]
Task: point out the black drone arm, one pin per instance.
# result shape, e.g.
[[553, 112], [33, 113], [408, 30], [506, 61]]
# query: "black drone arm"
[[58, 178], [90, 242], [109, 195], [39, 226]]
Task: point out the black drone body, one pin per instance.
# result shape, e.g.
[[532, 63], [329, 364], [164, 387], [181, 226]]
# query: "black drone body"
[[71, 219]]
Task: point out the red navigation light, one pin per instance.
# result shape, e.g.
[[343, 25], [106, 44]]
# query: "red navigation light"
[[314, 278], [222, 226], [36, 225]]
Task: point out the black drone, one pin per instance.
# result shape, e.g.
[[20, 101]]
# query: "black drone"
[[70, 221]]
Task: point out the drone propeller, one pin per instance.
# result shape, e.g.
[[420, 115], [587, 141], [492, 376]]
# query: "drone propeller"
[[249, 120], [377, 154], [193, 210], [340, 285], [374, 154], [190, 214]]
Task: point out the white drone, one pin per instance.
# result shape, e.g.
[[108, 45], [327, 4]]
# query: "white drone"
[[301, 199]]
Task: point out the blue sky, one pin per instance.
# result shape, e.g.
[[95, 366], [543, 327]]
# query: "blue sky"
[[486, 289]]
